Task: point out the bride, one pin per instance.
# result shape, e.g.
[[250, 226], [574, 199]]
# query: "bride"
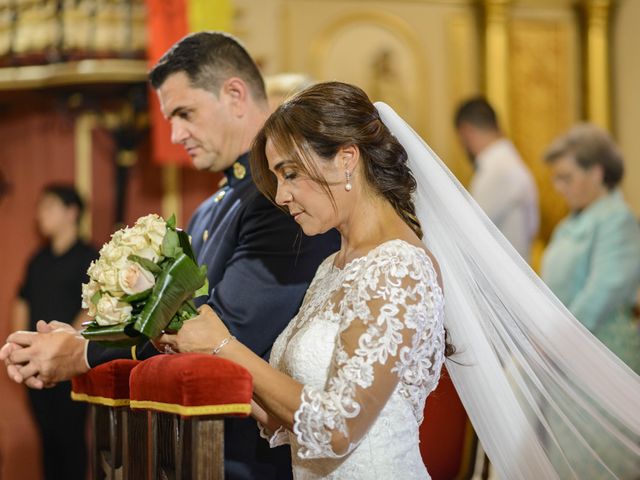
[[348, 378]]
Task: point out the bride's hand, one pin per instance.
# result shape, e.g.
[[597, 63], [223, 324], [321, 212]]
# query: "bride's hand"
[[200, 334]]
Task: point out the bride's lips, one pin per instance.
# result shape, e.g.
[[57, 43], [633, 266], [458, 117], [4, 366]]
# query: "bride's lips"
[[296, 215]]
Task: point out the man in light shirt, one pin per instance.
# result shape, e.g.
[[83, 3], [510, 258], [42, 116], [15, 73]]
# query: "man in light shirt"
[[502, 184]]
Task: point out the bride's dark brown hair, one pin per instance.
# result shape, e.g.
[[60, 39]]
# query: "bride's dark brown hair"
[[324, 118]]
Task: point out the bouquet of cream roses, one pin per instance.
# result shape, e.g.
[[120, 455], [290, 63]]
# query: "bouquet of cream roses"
[[142, 283]]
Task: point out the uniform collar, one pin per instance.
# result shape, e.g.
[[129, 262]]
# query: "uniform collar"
[[239, 171]]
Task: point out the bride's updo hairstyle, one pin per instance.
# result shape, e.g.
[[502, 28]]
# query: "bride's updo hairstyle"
[[322, 119]]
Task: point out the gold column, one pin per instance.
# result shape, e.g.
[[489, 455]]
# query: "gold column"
[[171, 203], [84, 126], [598, 88], [496, 57]]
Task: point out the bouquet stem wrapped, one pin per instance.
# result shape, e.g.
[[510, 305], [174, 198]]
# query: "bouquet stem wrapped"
[[142, 284]]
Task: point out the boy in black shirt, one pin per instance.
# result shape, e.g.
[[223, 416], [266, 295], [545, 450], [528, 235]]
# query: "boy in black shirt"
[[52, 290]]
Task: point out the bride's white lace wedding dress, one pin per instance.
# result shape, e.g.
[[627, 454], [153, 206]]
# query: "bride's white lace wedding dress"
[[368, 346]]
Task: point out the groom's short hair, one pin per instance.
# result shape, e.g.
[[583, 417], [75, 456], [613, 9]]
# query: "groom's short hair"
[[208, 59]]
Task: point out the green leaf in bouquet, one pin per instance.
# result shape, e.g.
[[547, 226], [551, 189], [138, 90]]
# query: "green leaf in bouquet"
[[137, 308], [171, 244], [174, 325], [120, 335], [146, 264], [204, 289], [173, 287], [136, 297], [187, 311], [185, 244], [171, 223]]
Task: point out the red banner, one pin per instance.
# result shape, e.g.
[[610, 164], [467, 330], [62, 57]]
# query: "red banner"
[[166, 23]]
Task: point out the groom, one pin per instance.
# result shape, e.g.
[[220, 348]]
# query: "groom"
[[259, 263]]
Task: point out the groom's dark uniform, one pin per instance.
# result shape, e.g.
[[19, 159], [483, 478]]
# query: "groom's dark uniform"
[[259, 267]]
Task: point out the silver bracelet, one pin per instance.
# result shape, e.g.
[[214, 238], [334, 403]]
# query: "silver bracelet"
[[224, 341]]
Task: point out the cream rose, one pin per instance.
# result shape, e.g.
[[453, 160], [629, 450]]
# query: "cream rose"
[[135, 239], [107, 276], [115, 237], [139, 243], [93, 266], [116, 256], [135, 279], [88, 291], [110, 311], [155, 228]]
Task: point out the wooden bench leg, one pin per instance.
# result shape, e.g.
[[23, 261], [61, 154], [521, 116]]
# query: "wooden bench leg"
[[101, 445], [162, 438], [207, 447], [97, 422], [185, 448], [106, 447], [135, 445]]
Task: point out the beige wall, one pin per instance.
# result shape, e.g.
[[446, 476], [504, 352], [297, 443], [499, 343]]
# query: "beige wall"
[[626, 94], [436, 60], [259, 24]]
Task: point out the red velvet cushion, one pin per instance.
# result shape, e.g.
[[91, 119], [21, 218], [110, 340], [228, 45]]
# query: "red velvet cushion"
[[191, 384], [446, 435], [106, 384]]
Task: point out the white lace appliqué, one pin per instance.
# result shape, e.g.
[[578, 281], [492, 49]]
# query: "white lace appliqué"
[[388, 308]]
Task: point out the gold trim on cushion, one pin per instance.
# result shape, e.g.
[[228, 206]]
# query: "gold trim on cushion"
[[194, 410], [107, 402]]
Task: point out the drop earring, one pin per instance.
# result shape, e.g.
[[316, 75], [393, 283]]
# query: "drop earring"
[[348, 186]]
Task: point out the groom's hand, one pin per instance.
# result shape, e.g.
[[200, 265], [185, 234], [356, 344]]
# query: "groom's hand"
[[41, 359]]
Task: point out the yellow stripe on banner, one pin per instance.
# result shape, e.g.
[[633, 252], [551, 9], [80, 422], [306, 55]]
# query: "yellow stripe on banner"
[[209, 15], [107, 402], [190, 411]]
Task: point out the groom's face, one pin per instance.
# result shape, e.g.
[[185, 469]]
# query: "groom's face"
[[201, 121]]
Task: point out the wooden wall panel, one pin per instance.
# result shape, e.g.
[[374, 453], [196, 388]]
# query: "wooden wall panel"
[[542, 71], [626, 94], [37, 148]]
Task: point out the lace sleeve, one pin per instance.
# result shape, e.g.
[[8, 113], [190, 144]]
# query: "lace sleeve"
[[275, 439], [391, 337]]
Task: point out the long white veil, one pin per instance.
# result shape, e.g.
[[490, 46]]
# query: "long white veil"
[[545, 397]]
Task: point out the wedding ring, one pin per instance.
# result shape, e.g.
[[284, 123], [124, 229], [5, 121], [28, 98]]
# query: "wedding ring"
[[168, 349]]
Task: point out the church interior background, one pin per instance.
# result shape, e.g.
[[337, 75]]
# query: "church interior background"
[[75, 107]]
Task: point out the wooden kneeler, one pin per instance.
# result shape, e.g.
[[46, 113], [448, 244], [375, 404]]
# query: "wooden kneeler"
[[117, 436], [188, 396]]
